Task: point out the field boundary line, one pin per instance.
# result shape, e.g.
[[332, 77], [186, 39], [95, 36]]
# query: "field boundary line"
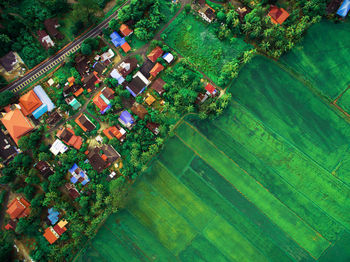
[[250, 200], [287, 182], [99, 254]]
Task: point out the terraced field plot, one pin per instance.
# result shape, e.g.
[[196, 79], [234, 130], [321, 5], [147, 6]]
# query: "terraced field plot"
[[193, 38]]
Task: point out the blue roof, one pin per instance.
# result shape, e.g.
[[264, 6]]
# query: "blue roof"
[[74, 167], [75, 177], [40, 111], [126, 117], [117, 40], [45, 99], [344, 8], [53, 216]]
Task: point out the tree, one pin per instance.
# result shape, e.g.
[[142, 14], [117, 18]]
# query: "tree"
[[86, 49], [85, 11], [6, 246], [187, 8], [7, 96]]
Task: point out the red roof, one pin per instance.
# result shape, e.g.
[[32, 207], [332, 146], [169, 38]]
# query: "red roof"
[[156, 69], [278, 15], [29, 102], [70, 138], [125, 30], [126, 47], [19, 207], [211, 89], [155, 54], [16, 124], [78, 92], [50, 235], [113, 131], [99, 102], [59, 230]]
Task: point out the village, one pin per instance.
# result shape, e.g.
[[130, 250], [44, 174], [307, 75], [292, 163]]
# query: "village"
[[89, 125]]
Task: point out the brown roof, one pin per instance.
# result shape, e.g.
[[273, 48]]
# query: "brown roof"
[[81, 64], [84, 123], [155, 54], [110, 153], [73, 192], [125, 30], [108, 93], [96, 160], [41, 35], [44, 168], [51, 25], [146, 68], [90, 81], [158, 86], [54, 118], [68, 136], [153, 127], [127, 66], [278, 15], [8, 61], [139, 110]]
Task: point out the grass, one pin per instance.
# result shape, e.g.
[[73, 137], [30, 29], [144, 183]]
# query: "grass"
[[344, 101], [195, 39]]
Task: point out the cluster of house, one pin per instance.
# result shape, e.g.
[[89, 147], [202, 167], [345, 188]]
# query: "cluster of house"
[[51, 26], [55, 230], [119, 41]]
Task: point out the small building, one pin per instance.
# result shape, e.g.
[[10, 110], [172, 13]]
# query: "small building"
[[78, 175], [101, 158], [168, 57], [12, 224], [53, 118], [146, 68], [242, 12], [51, 26], [278, 15], [153, 127], [126, 119], [53, 233], [68, 136], [125, 30], [158, 86], [139, 110], [73, 102], [116, 75], [201, 98], [45, 40], [110, 155], [53, 215], [115, 131], [150, 100], [90, 81], [72, 191], [10, 62], [119, 41], [58, 147], [99, 67], [207, 13], [7, 150], [127, 66], [138, 84], [19, 207], [29, 102], [76, 90], [101, 101], [107, 55], [211, 91], [84, 122], [344, 9], [156, 70], [44, 168], [82, 64], [16, 124], [155, 54], [126, 47], [108, 93]]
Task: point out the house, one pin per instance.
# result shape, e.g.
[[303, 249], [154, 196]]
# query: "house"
[[10, 61], [116, 75], [101, 101], [125, 30], [153, 127], [333, 6], [82, 64], [90, 81], [16, 124], [108, 93], [12, 224], [78, 175], [51, 26], [85, 123], [242, 12], [45, 40], [146, 68], [53, 118], [139, 110], [101, 158], [138, 84], [126, 47], [50, 82], [211, 91], [201, 2], [107, 55], [53, 215], [53, 233], [155, 54], [76, 90], [68, 136], [44, 168], [158, 86], [127, 66], [99, 67], [156, 69], [18, 208], [29, 102], [110, 154], [7, 150], [115, 131], [73, 192], [278, 15], [47, 105], [58, 147], [344, 9], [150, 100], [73, 102], [118, 41], [207, 13], [201, 98], [168, 57], [126, 119]]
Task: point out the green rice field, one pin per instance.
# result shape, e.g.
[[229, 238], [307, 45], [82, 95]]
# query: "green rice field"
[[190, 36], [266, 181]]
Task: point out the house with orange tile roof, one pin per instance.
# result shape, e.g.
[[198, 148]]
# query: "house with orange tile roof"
[[18, 208], [85, 123], [53, 233], [102, 99], [155, 54], [115, 131], [29, 102], [278, 15], [156, 69], [68, 136], [16, 124], [126, 47], [125, 30]]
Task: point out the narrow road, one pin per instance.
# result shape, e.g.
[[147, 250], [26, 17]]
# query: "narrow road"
[[31, 76]]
